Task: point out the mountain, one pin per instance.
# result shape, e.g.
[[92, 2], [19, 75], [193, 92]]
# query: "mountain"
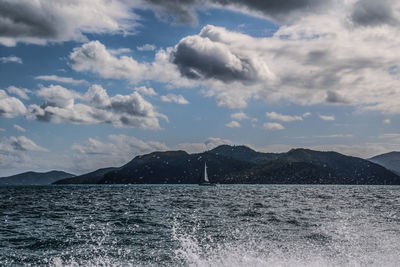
[[34, 178], [88, 178], [389, 160], [240, 164], [175, 167], [243, 153], [304, 166]]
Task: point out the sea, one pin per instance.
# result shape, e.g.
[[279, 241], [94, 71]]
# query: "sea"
[[191, 225]]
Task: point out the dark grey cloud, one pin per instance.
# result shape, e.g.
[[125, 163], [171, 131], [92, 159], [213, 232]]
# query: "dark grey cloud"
[[201, 58], [373, 13], [39, 112], [316, 57], [274, 6], [184, 11], [335, 98], [40, 21], [22, 19], [181, 11], [195, 64], [130, 104], [17, 145]]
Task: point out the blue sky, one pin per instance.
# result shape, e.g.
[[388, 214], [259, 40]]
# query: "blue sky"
[[91, 84]]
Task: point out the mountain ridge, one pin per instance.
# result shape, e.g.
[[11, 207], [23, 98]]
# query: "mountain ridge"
[[232, 164], [35, 178], [390, 160], [87, 178], [240, 164]]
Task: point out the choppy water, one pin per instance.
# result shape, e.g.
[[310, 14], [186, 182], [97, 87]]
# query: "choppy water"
[[232, 225]]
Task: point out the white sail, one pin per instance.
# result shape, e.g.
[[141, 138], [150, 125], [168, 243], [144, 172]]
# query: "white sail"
[[205, 174]]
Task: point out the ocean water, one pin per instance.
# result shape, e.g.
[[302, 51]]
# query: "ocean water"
[[188, 225]]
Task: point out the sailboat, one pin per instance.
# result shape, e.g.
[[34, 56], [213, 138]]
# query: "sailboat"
[[205, 180]]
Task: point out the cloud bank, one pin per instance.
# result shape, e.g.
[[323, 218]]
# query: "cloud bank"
[[288, 66], [15, 151]]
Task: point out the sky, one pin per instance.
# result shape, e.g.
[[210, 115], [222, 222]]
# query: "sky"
[[92, 84]]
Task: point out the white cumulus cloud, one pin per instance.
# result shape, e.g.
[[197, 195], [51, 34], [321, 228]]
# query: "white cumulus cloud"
[[21, 92], [16, 152], [146, 47], [16, 144], [146, 90], [233, 124], [19, 128], [10, 107], [172, 98], [11, 59], [273, 126], [95, 106], [56, 78], [95, 57], [239, 116], [281, 117], [326, 117]]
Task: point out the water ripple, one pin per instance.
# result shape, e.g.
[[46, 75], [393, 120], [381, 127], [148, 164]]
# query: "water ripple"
[[229, 225]]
